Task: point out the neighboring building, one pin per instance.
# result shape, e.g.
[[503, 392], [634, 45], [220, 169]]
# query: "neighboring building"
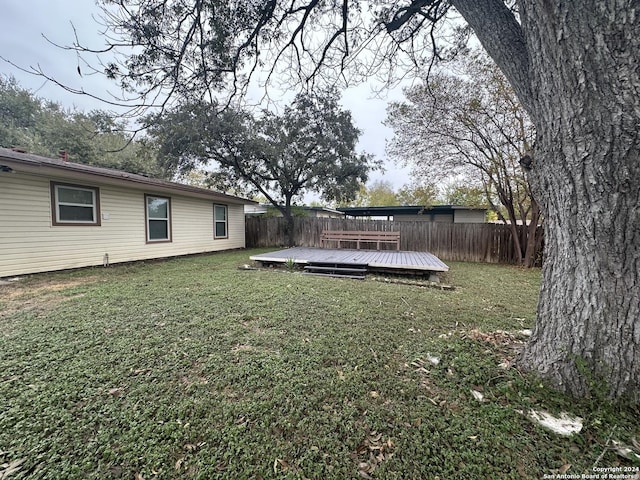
[[317, 212], [435, 213], [322, 212], [56, 215]]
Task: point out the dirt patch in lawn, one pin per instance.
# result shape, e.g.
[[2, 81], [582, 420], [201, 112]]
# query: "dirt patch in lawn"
[[506, 344], [38, 295]]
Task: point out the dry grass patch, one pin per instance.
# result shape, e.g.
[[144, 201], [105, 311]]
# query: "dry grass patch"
[[35, 296], [39, 293]]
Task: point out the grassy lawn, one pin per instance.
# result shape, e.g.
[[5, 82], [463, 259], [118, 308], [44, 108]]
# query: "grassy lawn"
[[193, 368]]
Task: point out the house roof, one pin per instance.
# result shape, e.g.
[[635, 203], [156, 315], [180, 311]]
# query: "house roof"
[[264, 207], [325, 209], [35, 164], [404, 210]]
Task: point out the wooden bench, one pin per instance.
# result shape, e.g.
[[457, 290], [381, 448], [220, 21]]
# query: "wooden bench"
[[360, 237]]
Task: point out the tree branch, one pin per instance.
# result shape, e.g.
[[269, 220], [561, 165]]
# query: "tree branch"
[[404, 15], [501, 35]]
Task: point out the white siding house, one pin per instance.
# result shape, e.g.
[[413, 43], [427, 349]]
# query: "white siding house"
[[56, 215]]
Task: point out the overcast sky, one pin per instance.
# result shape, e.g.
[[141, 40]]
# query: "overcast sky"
[[24, 22]]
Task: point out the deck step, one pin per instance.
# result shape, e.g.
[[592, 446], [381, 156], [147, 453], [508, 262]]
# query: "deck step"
[[327, 269], [324, 268], [336, 275]]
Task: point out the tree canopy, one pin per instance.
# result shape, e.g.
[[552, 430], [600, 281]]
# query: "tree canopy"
[[160, 52], [310, 147], [378, 193], [93, 138], [381, 193], [466, 122]]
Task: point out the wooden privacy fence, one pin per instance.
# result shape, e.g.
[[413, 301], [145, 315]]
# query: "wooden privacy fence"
[[468, 242]]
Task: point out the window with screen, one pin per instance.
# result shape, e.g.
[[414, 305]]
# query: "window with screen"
[[75, 204], [220, 221], [158, 214]]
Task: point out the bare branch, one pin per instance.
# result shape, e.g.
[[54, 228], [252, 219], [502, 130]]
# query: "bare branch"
[[163, 52], [404, 15], [501, 35]]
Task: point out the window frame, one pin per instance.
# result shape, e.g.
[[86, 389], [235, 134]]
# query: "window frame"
[[216, 221], [55, 204], [147, 196]]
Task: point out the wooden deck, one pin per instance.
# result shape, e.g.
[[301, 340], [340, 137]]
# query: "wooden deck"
[[373, 259]]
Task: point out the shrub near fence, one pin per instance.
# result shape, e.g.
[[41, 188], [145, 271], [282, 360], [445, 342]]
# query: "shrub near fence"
[[467, 242]]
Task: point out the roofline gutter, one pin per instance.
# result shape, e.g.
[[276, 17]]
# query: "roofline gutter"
[[15, 160]]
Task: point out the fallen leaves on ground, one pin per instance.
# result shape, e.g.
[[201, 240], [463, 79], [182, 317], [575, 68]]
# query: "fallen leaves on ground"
[[373, 450], [499, 338], [7, 469], [507, 344], [627, 451], [116, 391], [281, 465], [477, 395]]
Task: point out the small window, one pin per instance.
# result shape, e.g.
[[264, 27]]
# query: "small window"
[[75, 204], [220, 221], [158, 213]]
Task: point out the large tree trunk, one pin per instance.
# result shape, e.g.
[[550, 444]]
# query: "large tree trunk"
[[586, 175], [289, 222], [574, 65], [588, 325], [289, 230], [533, 234], [516, 237]]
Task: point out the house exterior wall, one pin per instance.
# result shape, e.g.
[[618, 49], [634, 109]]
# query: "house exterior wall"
[[323, 214], [457, 216], [427, 217], [469, 216], [29, 243]]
